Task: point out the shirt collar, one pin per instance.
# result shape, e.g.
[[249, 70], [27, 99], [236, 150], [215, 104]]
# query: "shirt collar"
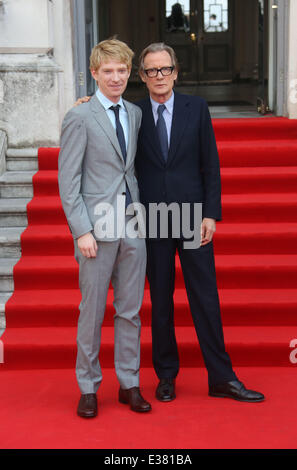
[[168, 104], [106, 102]]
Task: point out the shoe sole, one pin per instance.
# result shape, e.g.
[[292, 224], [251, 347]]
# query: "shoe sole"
[[87, 416], [166, 399], [233, 398]]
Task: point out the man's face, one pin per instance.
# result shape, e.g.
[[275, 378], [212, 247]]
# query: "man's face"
[[160, 87], [112, 78]]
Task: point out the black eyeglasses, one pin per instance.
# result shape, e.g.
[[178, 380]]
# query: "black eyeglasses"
[[165, 71]]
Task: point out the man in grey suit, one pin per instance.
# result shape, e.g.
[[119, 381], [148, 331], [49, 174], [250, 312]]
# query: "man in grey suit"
[[96, 166]]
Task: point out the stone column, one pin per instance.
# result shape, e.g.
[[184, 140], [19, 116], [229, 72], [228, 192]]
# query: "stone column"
[[292, 62], [29, 112], [3, 148], [36, 70]]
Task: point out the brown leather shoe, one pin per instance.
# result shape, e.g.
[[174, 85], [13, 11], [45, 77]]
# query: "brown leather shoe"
[[87, 406], [132, 397]]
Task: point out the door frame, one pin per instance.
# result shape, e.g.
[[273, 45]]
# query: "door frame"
[[80, 53], [199, 74], [278, 56], [218, 75]]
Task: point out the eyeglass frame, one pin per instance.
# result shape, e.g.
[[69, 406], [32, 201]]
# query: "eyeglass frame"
[[172, 67]]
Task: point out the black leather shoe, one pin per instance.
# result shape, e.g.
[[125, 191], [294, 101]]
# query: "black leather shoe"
[[166, 390], [87, 406], [133, 397], [235, 390]]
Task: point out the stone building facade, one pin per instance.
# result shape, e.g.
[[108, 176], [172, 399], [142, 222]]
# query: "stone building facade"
[[40, 60]]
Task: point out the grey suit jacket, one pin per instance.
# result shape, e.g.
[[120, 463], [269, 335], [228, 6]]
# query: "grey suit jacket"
[[91, 166]]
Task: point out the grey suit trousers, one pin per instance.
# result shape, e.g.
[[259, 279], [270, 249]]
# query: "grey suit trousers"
[[123, 262]]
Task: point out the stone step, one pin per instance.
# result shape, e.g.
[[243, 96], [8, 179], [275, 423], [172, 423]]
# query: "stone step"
[[13, 212], [16, 191], [6, 274], [22, 159], [4, 296], [14, 184], [10, 245]]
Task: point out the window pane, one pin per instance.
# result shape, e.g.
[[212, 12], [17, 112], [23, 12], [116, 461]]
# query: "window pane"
[[215, 15], [224, 4], [225, 19], [185, 4], [177, 15]]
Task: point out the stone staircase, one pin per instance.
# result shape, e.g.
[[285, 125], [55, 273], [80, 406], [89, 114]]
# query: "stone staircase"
[[16, 190]]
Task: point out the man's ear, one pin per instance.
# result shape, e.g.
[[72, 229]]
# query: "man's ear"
[[142, 76], [94, 74]]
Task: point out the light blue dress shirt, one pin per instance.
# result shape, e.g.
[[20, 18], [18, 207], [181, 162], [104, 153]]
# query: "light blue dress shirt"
[[167, 113], [123, 115]]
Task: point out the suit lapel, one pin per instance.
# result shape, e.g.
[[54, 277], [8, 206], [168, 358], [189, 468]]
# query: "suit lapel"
[[131, 118], [149, 128], [179, 123], [104, 122]]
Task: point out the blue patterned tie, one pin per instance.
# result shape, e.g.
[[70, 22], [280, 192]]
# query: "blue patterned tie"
[[162, 131], [122, 142]]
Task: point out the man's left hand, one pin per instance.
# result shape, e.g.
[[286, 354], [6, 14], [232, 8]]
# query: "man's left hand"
[[208, 227], [84, 99]]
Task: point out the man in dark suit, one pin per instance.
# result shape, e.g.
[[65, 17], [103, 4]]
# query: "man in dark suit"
[[177, 161]]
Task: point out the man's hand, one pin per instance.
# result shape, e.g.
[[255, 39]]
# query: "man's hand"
[[84, 99], [208, 227], [87, 245]]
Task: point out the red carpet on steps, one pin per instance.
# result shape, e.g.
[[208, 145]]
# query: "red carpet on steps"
[[256, 261]]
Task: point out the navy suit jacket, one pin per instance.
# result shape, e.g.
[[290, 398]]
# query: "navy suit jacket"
[[192, 171]]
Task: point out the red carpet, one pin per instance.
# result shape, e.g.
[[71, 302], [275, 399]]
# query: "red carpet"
[[256, 260], [38, 411]]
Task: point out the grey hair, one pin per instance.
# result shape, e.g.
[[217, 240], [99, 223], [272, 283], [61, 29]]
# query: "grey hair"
[[157, 47]]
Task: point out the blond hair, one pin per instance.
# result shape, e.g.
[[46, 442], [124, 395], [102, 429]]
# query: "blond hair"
[[111, 49]]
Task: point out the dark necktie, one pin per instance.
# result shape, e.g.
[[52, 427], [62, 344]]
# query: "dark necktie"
[[122, 142], [162, 131], [119, 131]]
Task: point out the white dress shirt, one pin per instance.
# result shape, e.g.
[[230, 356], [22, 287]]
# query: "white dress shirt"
[[123, 115]]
